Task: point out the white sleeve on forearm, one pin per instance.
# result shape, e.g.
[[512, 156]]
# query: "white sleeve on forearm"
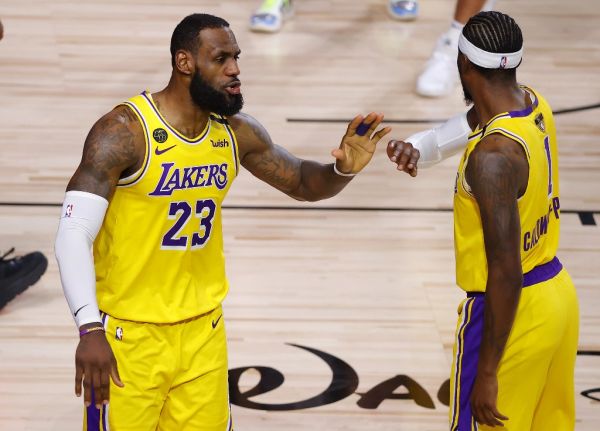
[[441, 142], [81, 219]]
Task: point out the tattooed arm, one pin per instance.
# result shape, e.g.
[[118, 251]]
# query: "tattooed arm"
[[305, 180], [497, 172], [114, 148]]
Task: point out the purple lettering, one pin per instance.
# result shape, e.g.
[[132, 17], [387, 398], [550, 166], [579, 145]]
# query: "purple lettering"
[[212, 174], [556, 207], [526, 238], [200, 178], [222, 179], [173, 182], [544, 225], [190, 177], [158, 190], [186, 181]]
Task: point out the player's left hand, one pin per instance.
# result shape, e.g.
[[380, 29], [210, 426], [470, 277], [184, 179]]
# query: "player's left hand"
[[404, 155], [483, 401], [357, 147]]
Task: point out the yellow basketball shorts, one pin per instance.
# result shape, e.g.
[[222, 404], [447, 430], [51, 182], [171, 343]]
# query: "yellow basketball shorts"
[[175, 377], [536, 373]]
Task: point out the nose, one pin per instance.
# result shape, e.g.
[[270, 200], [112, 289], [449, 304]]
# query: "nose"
[[232, 68]]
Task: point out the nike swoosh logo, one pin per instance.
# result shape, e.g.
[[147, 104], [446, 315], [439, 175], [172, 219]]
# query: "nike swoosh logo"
[[214, 324], [79, 309], [159, 152]]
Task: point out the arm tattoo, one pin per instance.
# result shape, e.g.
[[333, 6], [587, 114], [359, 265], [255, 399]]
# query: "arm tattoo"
[[304, 180], [278, 168], [109, 151], [271, 163]]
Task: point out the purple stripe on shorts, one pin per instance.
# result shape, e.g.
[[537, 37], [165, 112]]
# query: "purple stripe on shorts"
[[466, 317], [93, 415], [468, 362], [542, 272]]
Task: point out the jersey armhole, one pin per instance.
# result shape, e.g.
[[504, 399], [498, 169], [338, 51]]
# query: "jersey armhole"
[[515, 138], [234, 145], [137, 175]]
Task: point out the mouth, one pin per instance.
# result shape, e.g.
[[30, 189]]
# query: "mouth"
[[233, 87]]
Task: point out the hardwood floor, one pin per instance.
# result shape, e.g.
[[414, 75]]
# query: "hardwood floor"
[[366, 277]]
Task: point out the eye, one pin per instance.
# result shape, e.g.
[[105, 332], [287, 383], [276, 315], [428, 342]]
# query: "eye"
[[220, 59], [236, 57]]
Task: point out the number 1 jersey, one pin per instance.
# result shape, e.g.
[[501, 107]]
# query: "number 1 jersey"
[[159, 254], [539, 207]]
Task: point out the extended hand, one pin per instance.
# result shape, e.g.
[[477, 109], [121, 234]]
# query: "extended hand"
[[404, 155], [95, 364], [356, 150], [483, 401]]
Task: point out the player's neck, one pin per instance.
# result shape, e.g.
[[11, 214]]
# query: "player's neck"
[[493, 99], [176, 105]]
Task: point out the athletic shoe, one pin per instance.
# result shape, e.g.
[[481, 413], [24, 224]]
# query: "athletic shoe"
[[270, 16], [18, 273], [403, 10], [440, 76]]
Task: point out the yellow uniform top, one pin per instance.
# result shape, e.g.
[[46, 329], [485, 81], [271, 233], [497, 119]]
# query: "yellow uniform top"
[[159, 254], [539, 207]]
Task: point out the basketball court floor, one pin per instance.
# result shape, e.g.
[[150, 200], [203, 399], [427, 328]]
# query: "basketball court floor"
[[341, 313]]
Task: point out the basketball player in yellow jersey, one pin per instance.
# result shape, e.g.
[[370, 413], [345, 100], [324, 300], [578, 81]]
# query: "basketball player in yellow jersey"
[[148, 195], [516, 339]]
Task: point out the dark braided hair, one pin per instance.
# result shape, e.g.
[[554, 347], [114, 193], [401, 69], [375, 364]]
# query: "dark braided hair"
[[495, 32], [185, 35]]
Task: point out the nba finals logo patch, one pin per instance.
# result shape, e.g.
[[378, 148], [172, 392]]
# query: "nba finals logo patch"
[[160, 135], [503, 62], [69, 210], [119, 333], [539, 122]]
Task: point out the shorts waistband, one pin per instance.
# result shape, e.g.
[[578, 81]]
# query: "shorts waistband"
[[542, 272], [537, 275]]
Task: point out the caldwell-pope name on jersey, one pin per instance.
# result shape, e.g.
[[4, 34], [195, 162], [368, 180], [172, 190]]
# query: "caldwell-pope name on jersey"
[[532, 237], [190, 177]]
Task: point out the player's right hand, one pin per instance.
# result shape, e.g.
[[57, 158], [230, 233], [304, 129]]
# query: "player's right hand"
[[95, 364], [404, 155]]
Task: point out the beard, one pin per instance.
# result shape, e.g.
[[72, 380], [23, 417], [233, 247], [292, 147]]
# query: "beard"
[[207, 98]]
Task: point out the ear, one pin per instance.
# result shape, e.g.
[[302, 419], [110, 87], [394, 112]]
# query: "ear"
[[184, 62], [464, 64]]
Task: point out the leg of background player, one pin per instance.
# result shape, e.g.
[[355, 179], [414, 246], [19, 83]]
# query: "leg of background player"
[[440, 76]]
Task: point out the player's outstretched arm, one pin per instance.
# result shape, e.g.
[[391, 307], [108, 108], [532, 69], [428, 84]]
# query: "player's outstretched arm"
[[429, 147], [497, 173], [111, 149], [307, 180]]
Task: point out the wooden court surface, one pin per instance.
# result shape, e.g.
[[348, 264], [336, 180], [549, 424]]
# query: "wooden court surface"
[[367, 276]]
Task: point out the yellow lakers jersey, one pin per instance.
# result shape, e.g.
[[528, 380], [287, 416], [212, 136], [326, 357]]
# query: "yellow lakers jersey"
[[159, 254], [539, 207]]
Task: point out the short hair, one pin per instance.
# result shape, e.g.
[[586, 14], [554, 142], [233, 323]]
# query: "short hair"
[[185, 35], [495, 32]]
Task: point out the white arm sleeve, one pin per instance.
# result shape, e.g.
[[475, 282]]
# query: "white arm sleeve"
[[81, 219], [441, 142]]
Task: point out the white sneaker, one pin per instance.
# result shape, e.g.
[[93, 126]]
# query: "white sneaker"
[[269, 17], [403, 10], [440, 76]]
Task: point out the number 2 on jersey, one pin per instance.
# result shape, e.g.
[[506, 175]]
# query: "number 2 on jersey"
[[182, 211]]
